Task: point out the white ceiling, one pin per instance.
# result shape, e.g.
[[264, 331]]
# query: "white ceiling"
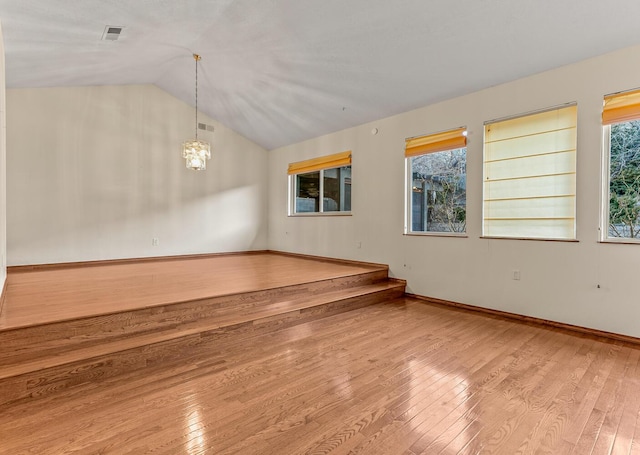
[[281, 71]]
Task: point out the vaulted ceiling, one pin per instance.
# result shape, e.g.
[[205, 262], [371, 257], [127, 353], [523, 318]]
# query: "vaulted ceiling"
[[282, 71]]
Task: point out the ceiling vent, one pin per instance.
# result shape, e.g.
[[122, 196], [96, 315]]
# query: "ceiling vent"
[[205, 127], [111, 33]]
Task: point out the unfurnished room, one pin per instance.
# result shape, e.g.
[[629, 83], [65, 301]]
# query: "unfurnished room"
[[289, 227]]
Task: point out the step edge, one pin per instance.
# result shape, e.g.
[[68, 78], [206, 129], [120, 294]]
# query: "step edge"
[[181, 302], [170, 336]]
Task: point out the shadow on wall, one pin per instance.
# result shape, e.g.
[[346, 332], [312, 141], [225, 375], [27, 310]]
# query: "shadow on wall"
[[104, 176], [222, 222]]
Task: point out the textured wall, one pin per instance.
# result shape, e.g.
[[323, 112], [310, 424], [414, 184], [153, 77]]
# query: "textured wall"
[[96, 173]]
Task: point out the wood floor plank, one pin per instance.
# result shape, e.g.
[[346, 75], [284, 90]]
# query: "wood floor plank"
[[629, 420], [424, 425], [235, 391], [435, 442], [582, 411], [611, 401], [395, 378], [532, 397], [420, 390], [324, 404], [435, 416]]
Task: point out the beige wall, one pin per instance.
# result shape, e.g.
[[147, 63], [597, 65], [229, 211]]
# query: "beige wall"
[[3, 169], [96, 173], [559, 280]]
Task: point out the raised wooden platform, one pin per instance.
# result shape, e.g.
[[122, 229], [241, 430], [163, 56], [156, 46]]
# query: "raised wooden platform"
[[67, 326]]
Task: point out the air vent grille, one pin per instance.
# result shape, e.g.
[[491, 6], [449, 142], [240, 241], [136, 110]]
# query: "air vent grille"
[[111, 33], [205, 127]]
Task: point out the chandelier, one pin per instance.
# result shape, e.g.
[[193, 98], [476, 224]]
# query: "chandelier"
[[196, 152]]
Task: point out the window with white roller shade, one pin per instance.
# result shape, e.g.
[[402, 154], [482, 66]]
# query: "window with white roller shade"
[[530, 176]]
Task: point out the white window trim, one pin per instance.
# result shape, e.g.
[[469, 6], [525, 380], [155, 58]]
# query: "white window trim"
[[605, 182], [292, 191], [408, 217]]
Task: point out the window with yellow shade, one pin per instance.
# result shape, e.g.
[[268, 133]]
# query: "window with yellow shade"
[[621, 126], [321, 185], [437, 183]]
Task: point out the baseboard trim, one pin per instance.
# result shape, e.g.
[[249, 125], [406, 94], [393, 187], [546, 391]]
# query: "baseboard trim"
[[575, 329], [3, 295], [97, 263], [69, 265], [329, 259]]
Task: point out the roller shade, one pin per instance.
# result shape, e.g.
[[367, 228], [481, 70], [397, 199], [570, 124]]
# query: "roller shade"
[[323, 162], [621, 107], [438, 142], [529, 176]]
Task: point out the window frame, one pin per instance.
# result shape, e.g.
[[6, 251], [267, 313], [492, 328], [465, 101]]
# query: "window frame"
[[408, 200], [293, 191], [618, 107], [605, 193]]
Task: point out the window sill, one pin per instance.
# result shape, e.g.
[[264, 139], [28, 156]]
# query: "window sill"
[[615, 241], [530, 238], [313, 214], [462, 235]]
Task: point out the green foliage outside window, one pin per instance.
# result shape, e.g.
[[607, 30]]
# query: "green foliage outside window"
[[439, 193], [624, 180]]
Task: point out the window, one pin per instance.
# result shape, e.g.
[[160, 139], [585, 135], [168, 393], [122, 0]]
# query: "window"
[[437, 182], [530, 176], [621, 122], [321, 185]]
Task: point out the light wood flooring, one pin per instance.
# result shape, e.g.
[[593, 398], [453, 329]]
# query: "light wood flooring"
[[402, 377], [110, 335], [51, 295]]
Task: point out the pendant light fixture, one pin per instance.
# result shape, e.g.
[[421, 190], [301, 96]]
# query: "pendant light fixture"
[[196, 152]]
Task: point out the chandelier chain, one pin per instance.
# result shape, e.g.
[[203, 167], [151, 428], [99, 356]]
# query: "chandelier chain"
[[196, 57]]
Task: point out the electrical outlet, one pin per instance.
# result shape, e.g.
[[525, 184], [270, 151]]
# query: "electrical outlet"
[[515, 275], [155, 241], [358, 245]]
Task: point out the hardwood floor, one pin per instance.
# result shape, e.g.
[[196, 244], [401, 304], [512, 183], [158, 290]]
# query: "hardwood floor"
[[41, 296], [116, 334], [402, 377]]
